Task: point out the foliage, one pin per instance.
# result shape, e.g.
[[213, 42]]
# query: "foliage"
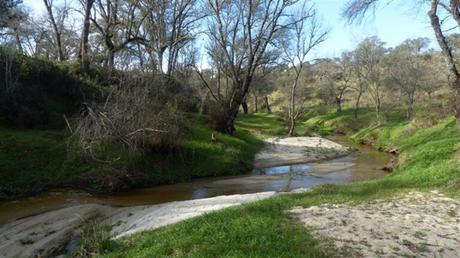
[[95, 238], [427, 154], [199, 156], [37, 93]]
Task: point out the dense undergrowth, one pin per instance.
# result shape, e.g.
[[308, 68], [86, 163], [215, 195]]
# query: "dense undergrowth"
[[36, 93], [38, 151], [37, 160], [427, 160]]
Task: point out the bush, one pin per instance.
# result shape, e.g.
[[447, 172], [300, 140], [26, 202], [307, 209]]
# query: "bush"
[[131, 122], [218, 115], [35, 93]]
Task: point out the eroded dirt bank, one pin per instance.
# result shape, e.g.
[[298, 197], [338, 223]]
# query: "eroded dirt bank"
[[412, 225]]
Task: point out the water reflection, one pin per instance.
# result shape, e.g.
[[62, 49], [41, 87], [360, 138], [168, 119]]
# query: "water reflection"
[[366, 164], [292, 169]]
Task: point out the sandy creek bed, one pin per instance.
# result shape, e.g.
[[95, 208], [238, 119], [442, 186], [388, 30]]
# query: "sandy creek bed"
[[43, 233], [409, 225]]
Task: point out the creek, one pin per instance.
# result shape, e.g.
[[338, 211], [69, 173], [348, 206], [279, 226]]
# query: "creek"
[[364, 164]]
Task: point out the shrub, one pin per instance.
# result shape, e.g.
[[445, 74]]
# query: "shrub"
[[131, 122], [35, 93]]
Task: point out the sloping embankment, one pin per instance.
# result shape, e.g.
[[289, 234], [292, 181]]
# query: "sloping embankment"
[[46, 233]]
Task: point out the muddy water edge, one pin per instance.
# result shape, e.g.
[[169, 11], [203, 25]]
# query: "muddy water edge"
[[366, 163]]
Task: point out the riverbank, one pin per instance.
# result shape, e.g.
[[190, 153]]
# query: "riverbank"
[[33, 161], [427, 161], [47, 233], [51, 233]]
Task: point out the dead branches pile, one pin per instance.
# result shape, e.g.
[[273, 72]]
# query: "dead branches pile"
[[131, 121]]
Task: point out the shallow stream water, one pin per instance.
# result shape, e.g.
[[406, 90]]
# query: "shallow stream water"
[[365, 164]]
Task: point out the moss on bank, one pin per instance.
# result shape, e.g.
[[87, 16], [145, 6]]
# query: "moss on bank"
[[428, 160]]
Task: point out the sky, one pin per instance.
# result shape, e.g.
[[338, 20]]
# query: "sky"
[[392, 23]]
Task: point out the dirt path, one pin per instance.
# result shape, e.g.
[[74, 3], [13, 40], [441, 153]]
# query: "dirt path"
[[413, 225]]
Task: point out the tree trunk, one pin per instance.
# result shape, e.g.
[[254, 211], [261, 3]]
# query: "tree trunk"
[[267, 105], [18, 41], [292, 123], [256, 104], [203, 103], [357, 104], [57, 33], [110, 59], [236, 101], [377, 111], [229, 123], [338, 102], [409, 112], [457, 103], [447, 52], [84, 56], [245, 107], [160, 61], [410, 107]]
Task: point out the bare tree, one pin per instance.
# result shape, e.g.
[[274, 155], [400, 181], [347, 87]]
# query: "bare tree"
[[358, 84], [345, 78], [244, 31], [407, 69], [355, 10], [369, 59], [84, 47], [57, 23], [118, 24], [306, 34], [169, 27]]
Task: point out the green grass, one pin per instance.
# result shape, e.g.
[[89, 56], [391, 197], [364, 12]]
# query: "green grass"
[[428, 160], [262, 125], [262, 229], [198, 156], [258, 230], [31, 160], [345, 122], [36, 160]]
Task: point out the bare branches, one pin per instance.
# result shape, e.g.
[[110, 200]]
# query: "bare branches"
[[356, 10], [57, 27], [131, 119], [305, 34], [242, 33]]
